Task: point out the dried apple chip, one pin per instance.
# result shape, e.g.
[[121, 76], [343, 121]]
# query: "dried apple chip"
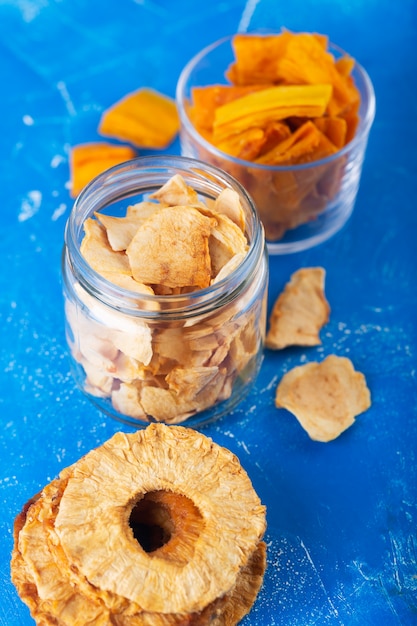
[[325, 397], [171, 248], [300, 311], [98, 253], [120, 230], [176, 192], [144, 118], [228, 203]]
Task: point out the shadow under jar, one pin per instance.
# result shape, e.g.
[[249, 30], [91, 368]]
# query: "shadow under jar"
[[170, 358]]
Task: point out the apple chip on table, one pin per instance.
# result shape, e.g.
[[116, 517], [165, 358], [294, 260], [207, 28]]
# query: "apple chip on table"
[[325, 397], [300, 311], [175, 244]]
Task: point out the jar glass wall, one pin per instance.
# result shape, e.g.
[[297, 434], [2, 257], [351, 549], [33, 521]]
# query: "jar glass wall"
[[140, 357]]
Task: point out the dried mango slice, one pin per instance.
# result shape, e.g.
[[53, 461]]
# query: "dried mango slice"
[[268, 105], [144, 118], [335, 129], [325, 397], [306, 144], [256, 58], [91, 159], [245, 145], [306, 62], [207, 99]]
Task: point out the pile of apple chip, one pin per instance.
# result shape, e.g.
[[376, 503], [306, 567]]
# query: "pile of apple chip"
[[136, 533], [171, 244]]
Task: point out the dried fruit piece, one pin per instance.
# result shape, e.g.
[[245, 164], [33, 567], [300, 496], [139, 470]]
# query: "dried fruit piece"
[[306, 144], [325, 397], [175, 192], [144, 118], [97, 251], [269, 105], [300, 311], [136, 532], [171, 248], [228, 203], [91, 159]]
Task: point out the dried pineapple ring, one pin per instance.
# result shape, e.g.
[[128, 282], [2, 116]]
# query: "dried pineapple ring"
[[170, 463]]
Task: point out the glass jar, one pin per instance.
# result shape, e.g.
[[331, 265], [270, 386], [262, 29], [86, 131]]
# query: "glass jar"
[[169, 358]]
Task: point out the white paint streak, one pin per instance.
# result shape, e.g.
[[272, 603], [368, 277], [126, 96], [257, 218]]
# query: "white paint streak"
[[395, 554], [59, 211], [57, 160], [310, 560], [244, 446], [30, 205], [30, 9], [247, 15], [62, 88]]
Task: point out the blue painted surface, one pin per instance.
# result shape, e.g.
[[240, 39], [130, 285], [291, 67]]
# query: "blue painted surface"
[[342, 516]]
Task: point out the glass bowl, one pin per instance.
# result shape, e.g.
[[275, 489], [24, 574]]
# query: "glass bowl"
[[300, 205]]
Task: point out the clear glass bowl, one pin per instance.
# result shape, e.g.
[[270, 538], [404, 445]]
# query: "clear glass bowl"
[[170, 358], [327, 188]]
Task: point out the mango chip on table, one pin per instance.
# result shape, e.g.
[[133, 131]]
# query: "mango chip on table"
[[289, 102], [88, 160], [172, 244], [144, 118]]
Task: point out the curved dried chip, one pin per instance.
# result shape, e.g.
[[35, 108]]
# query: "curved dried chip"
[[300, 311], [325, 397], [145, 118], [171, 248], [176, 192], [226, 241], [91, 159], [120, 230], [96, 250], [228, 203]]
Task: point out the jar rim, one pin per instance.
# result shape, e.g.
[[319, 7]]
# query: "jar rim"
[[128, 179]]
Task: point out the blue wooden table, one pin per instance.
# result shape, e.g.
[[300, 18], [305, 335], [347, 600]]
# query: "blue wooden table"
[[342, 516]]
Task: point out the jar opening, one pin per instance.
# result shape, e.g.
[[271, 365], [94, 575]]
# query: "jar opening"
[[133, 181]]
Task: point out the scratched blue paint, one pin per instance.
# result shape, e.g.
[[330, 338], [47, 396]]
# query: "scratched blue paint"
[[342, 517]]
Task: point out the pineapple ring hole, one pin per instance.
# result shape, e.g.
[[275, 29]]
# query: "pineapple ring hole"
[[167, 524]]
